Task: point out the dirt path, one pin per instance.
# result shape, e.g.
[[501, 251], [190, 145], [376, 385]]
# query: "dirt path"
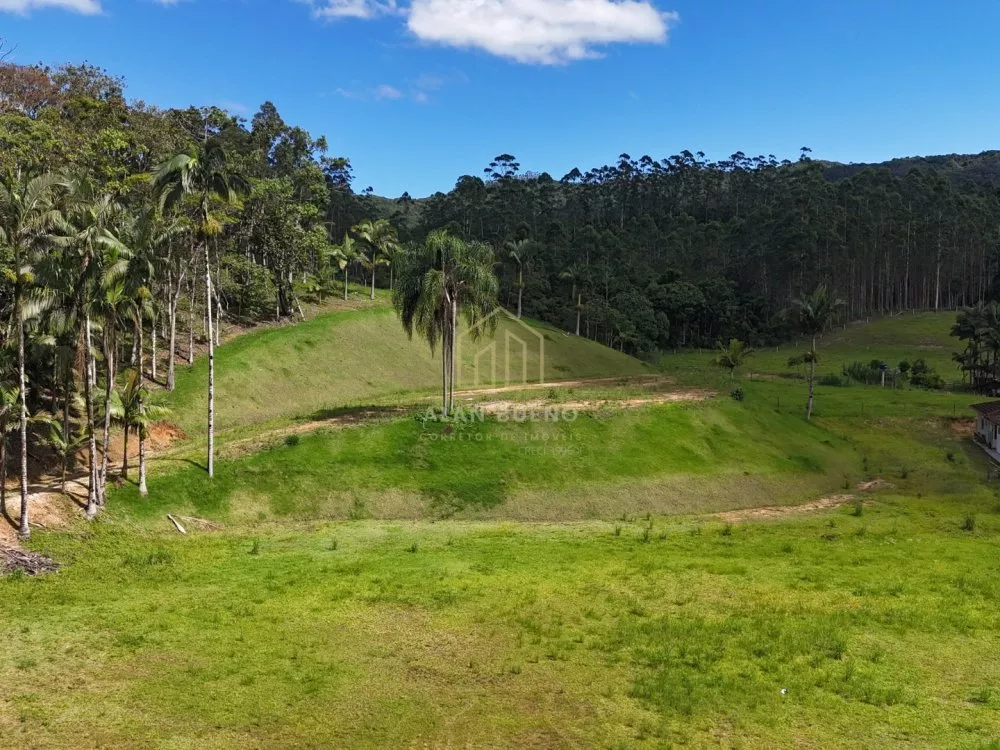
[[623, 380], [780, 511]]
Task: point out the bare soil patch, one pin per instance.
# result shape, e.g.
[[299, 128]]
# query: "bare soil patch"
[[779, 511], [495, 407]]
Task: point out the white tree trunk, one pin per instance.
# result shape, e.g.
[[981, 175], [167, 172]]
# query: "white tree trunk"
[[25, 529], [211, 368]]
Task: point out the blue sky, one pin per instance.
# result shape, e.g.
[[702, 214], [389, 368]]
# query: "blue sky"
[[418, 92]]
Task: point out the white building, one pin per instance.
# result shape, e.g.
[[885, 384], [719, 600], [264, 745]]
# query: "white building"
[[988, 427]]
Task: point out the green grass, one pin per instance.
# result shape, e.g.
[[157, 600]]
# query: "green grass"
[[890, 340], [379, 586], [356, 356], [614, 634], [672, 458]]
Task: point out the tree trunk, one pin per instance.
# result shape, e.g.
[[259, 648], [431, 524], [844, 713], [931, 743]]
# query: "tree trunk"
[[373, 278], [520, 292], [345, 283], [152, 343], [25, 530], [451, 357], [141, 345], [211, 368], [812, 380], [191, 323], [579, 311], [142, 463], [172, 340], [3, 474], [125, 457], [109, 357], [88, 396]]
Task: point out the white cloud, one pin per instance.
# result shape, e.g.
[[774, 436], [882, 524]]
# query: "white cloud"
[[538, 31], [87, 7], [352, 8], [385, 91]]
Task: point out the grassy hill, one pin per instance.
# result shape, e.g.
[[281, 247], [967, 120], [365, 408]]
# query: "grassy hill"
[[379, 587], [355, 356]]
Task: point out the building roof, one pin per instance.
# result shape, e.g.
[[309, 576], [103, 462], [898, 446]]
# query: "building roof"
[[990, 410]]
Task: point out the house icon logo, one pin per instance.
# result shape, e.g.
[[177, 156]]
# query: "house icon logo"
[[514, 355]]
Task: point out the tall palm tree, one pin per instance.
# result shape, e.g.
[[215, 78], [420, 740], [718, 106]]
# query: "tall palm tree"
[[135, 415], [732, 356], [518, 251], [346, 254], [382, 243], [27, 214], [205, 176], [92, 258], [439, 282], [812, 315], [577, 276]]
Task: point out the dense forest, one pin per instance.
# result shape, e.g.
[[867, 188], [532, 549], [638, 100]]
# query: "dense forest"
[[655, 254]]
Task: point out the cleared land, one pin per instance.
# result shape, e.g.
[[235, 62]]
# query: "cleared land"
[[379, 586]]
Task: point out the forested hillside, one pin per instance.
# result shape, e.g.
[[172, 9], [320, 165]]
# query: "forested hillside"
[[683, 250]]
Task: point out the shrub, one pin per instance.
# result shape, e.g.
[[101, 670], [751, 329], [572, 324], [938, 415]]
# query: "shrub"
[[832, 380], [292, 440], [737, 395], [923, 375], [969, 524]]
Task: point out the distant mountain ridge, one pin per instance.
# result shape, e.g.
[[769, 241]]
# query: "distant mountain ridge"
[[975, 169]]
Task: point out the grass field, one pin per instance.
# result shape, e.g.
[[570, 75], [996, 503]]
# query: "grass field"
[[353, 356], [890, 340], [565, 584]]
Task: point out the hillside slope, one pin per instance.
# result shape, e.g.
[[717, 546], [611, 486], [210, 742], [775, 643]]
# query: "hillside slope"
[[350, 357]]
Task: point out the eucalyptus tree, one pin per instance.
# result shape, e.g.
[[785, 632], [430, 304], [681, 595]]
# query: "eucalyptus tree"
[[439, 282], [382, 243], [812, 315], [27, 215], [206, 176]]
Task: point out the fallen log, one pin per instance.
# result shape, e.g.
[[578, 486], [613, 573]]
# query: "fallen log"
[[176, 523]]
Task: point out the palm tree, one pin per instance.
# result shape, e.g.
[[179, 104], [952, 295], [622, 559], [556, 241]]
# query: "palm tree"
[[64, 445], [27, 214], [135, 415], [577, 276], [813, 314], [380, 237], [733, 356], [346, 254], [438, 282], [205, 176], [93, 258], [518, 252]]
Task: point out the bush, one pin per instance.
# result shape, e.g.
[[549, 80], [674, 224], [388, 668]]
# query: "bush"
[[923, 375], [737, 395], [833, 380]]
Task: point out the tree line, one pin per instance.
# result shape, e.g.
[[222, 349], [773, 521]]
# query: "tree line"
[[124, 229], [647, 255]]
